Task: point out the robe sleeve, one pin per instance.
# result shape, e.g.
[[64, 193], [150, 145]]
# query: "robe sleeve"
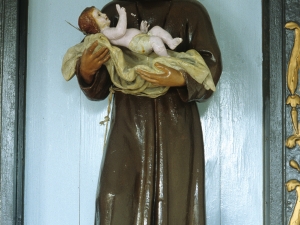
[[193, 91], [197, 32], [99, 89]]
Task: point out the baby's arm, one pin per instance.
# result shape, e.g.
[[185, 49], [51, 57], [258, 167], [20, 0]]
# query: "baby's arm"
[[113, 33], [144, 27]]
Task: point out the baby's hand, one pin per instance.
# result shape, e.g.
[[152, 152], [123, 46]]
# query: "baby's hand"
[[144, 26], [121, 10]]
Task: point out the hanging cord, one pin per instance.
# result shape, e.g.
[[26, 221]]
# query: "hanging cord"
[[106, 118]]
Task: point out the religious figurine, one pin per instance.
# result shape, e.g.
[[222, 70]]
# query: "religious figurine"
[[153, 166], [126, 65], [92, 21]]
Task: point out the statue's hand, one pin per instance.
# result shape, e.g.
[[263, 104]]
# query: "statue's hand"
[[121, 10], [144, 27], [92, 61], [170, 77]]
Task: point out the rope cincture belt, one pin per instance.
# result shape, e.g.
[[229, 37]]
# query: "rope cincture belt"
[[106, 118]]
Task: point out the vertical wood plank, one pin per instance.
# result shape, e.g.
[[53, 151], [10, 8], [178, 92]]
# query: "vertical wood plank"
[[274, 97], [8, 76], [92, 134], [210, 119], [21, 104], [236, 138], [53, 119], [64, 146]]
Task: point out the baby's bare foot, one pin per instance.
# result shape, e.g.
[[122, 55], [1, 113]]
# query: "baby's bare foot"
[[174, 43]]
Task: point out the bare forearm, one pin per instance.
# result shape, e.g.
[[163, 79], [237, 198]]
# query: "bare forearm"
[[113, 33], [122, 23]]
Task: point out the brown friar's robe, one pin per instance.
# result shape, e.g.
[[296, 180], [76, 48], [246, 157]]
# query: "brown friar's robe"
[[153, 171]]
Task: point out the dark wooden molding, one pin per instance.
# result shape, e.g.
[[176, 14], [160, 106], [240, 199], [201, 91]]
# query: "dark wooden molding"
[[277, 46], [273, 111], [290, 173], [13, 44], [21, 101]]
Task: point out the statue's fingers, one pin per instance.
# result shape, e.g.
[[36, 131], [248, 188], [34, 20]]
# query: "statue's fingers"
[[107, 57], [92, 47], [101, 52], [105, 53], [149, 79], [162, 67], [84, 52], [146, 73]]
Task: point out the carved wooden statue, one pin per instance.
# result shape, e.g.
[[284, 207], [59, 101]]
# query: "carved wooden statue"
[[153, 170]]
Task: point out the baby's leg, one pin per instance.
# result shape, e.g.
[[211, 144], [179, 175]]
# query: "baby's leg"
[[158, 46], [165, 36]]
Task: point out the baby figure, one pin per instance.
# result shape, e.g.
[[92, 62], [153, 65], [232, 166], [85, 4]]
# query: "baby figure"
[[92, 21]]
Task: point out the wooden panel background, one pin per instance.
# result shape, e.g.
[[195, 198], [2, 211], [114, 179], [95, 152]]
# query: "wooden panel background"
[[8, 69], [13, 44]]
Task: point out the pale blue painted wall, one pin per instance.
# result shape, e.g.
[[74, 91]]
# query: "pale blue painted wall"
[[233, 139], [64, 140]]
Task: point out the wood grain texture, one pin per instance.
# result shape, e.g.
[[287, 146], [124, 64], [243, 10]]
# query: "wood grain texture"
[[8, 74], [2, 21], [233, 117], [64, 146], [274, 115], [13, 33], [21, 104]]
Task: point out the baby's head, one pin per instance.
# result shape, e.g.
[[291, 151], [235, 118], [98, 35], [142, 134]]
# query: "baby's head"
[[87, 22], [91, 20]]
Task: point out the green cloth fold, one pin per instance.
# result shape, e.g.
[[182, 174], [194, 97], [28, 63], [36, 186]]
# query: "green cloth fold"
[[123, 63]]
